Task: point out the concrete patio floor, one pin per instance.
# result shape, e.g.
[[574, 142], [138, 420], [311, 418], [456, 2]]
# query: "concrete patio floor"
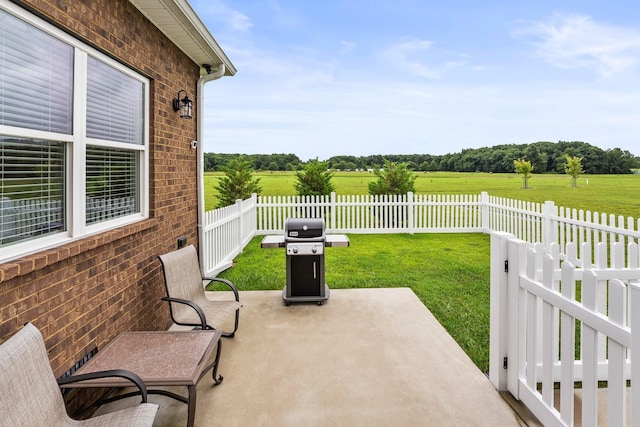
[[368, 357]]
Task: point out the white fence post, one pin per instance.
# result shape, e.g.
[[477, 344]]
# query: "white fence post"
[[333, 211], [634, 324], [499, 306], [549, 231], [516, 266], [410, 217], [484, 211]]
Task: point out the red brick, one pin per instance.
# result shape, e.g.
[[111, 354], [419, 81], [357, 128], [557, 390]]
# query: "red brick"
[[92, 289]]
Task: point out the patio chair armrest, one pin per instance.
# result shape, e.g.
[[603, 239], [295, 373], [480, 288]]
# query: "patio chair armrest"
[[196, 307], [226, 282], [121, 373]]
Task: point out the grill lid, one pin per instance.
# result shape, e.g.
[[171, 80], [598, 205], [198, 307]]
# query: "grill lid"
[[304, 229]]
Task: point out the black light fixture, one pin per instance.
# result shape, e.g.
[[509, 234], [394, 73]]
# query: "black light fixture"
[[183, 105]]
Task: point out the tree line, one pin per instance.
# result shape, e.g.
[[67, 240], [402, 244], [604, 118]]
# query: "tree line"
[[545, 157]]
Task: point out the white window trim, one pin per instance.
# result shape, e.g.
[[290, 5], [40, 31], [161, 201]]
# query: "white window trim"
[[76, 148]]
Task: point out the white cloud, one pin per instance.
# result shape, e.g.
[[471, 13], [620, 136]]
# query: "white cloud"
[[283, 16], [220, 11], [576, 41], [417, 57], [347, 47]]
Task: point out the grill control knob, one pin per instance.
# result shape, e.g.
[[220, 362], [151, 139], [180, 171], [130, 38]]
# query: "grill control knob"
[[314, 249], [305, 227], [295, 250]]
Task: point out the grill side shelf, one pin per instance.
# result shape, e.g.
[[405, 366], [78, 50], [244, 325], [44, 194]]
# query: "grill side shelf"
[[336, 240], [331, 241], [272, 242]]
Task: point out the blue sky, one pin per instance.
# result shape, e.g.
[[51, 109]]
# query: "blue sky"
[[349, 77]]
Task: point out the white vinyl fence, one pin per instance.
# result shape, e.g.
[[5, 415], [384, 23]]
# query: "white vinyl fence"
[[226, 232], [411, 213], [555, 325], [367, 214], [550, 266]]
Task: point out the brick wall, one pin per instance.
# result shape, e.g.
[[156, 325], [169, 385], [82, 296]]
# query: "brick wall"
[[84, 293]]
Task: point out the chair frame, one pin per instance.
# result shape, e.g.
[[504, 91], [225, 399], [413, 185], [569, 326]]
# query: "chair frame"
[[121, 373], [199, 311]]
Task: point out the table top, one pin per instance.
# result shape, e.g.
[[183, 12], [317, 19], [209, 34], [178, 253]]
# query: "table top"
[[158, 357]]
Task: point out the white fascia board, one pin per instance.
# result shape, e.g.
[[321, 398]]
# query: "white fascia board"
[[182, 25]]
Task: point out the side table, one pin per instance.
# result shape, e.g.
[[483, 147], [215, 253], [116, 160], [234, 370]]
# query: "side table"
[[162, 358]]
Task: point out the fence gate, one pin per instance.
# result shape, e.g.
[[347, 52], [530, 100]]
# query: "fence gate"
[[558, 331]]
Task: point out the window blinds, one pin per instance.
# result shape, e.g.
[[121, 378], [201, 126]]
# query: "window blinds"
[[36, 76], [32, 191], [112, 189], [114, 104]]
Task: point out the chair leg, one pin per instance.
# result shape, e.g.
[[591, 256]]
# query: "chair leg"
[[235, 328]]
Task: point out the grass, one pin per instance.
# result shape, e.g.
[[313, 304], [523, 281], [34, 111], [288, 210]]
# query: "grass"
[[448, 272], [611, 194]]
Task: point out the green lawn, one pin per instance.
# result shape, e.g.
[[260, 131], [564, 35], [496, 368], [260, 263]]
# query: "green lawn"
[[448, 272], [611, 194]]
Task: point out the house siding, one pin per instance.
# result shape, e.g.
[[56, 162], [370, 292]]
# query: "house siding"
[[82, 294]]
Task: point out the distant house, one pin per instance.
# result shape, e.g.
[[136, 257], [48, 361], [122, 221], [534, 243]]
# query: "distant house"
[[98, 171]]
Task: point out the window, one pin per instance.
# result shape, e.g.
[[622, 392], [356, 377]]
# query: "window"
[[73, 138], [111, 183]]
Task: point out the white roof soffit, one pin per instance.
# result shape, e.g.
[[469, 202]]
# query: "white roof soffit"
[[180, 23]]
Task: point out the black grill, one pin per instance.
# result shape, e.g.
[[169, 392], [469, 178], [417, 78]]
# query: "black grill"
[[304, 242]]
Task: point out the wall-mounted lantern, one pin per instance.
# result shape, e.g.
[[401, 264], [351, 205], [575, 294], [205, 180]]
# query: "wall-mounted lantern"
[[183, 105]]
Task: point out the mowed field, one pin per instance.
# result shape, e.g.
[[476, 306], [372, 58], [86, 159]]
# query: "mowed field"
[[610, 194]]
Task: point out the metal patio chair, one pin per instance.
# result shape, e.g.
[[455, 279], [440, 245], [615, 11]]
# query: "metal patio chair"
[[30, 394], [188, 302]]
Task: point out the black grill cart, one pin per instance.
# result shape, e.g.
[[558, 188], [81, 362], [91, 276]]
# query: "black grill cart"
[[304, 241]]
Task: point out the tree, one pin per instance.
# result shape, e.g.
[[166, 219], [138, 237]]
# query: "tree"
[[238, 183], [524, 168], [314, 179], [394, 178], [618, 161], [538, 160], [573, 167]]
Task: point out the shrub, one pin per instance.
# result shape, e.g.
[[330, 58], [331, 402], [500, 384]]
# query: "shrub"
[[394, 178], [238, 183], [314, 179]]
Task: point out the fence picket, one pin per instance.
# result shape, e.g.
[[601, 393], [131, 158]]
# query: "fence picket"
[[532, 323], [549, 335], [567, 347], [589, 351], [617, 357]]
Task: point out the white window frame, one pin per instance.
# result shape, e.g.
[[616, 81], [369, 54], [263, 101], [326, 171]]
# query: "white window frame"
[[75, 163]]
